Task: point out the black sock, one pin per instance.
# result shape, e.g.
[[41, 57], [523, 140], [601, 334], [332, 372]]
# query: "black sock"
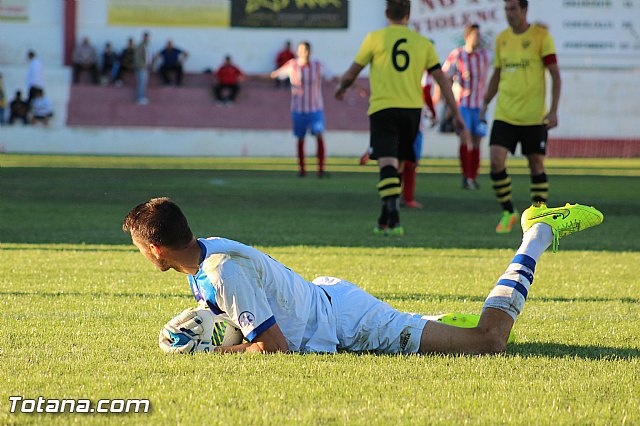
[[502, 189], [539, 188], [389, 189]]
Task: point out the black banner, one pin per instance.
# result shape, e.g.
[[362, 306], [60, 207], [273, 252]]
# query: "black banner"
[[290, 13]]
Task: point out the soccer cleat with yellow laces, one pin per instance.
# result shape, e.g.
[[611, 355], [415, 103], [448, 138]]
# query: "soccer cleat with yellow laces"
[[562, 220]]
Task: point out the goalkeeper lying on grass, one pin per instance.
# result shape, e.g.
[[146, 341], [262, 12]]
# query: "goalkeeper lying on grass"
[[273, 309]]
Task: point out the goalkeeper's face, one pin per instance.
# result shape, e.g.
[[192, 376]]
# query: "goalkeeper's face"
[[153, 256]]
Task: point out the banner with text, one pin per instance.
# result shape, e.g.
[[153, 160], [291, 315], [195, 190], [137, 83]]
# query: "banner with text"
[[14, 10], [587, 33], [290, 13], [169, 13]]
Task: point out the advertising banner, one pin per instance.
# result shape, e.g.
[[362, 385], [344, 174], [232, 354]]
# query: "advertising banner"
[[169, 13], [326, 14], [587, 33], [14, 10]]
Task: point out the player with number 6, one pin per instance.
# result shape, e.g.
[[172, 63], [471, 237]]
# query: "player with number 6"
[[398, 57]]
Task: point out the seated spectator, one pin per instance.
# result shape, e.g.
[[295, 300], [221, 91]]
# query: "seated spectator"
[[229, 77], [3, 101], [172, 59], [41, 108], [284, 56], [19, 109], [126, 62], [85, 58], [109, 59]]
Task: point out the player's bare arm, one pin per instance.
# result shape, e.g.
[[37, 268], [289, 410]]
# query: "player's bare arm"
[[492, 90], [269, 341], [551, 120], [446, 92], [348, 78]]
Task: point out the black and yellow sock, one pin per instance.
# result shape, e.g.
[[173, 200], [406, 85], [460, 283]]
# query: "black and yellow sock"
[[539, 188], [383, 219], [389, 189], [502, 188]]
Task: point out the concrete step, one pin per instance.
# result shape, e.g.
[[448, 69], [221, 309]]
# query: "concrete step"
[[260, 105]]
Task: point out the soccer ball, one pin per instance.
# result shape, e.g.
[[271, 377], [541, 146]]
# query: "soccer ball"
[[225, 334]]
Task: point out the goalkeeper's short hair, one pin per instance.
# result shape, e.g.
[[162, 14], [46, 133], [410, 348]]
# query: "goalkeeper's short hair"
[[159, 221]]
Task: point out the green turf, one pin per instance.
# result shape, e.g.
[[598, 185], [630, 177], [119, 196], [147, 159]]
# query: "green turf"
[[80, 309]]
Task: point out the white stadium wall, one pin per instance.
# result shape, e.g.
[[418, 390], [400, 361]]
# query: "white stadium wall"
[[253, 50], [598, 43], [42, 30]]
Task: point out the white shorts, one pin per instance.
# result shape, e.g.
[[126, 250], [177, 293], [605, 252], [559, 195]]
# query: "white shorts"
[[364, 323]]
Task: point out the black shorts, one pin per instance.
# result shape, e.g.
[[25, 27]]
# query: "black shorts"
[[393, 132], [532, 138]]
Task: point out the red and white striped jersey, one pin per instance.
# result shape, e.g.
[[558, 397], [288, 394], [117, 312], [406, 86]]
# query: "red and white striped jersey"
[[306, 84], [470, 71]]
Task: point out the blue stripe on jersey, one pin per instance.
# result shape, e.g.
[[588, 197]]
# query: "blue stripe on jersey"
[[525, 260], [262, 327], [203, 252], [515, 285], [194, 289], [203, 290], [214, 308]]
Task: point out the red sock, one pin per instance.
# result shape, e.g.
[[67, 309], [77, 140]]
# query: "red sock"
[[464, 159], [475, 162], [409, 181], [320, 153], [301, 154]]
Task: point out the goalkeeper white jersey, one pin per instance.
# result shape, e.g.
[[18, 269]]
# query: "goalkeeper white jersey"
[[253, 291]]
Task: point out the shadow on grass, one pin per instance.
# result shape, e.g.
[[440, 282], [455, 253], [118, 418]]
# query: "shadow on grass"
[[408, 297], [43, 205], [529, 349], [557, 350], [385, 297], [96, 295]]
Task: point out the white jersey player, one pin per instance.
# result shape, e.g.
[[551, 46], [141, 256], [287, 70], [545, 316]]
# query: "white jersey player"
[[277, 310], [253, 292]]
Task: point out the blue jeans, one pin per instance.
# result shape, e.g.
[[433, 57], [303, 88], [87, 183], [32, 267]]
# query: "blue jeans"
[[142, 79]]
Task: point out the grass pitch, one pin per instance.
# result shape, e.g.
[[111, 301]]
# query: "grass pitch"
[[80, 309]]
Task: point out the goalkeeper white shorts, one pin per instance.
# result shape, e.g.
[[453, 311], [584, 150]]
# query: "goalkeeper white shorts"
[[364, 323]]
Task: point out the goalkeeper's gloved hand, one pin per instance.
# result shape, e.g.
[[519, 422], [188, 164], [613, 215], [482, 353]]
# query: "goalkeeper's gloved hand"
[[188, 332]]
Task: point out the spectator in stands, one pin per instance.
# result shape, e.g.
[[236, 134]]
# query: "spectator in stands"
[[41, 108], [228, 78], [172, 60], [85, 58], [3, 101], [109, 59], [18, 109], [143, 60], [35, 75], [126, 62], [284, 56]]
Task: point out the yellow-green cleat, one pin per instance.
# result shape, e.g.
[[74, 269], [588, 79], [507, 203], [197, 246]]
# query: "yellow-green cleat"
[[506, 222], [378, 230], [562, 220], [468, 321], [397, 231]]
